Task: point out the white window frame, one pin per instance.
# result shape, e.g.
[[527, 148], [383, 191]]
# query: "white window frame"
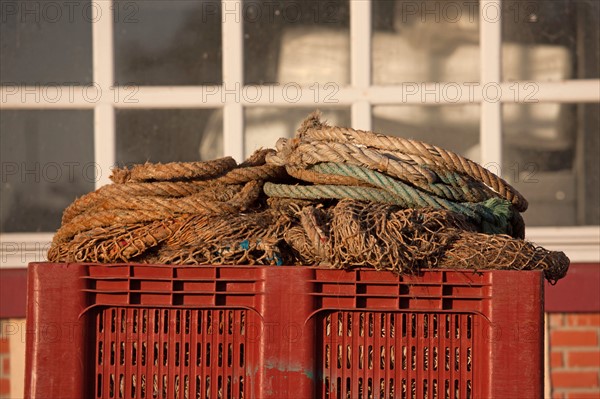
[[581, 243]]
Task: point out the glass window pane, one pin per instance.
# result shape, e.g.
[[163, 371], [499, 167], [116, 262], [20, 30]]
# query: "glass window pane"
[[453, 127], [46, 42], [167, 42], [551, 40], [551, 156], [47, 161], [168, 135], [265, 125], [425, 41], [301, 42]]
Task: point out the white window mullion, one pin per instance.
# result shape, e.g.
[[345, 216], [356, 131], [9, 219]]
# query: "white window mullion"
[[233, 77], [104, 112], [128, 97], [360, 60], [104, 142], [490, 39]]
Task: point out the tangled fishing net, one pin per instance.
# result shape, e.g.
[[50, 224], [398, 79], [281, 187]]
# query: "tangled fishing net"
[[330, 196]]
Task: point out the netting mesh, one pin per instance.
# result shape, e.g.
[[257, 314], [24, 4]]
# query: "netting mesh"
[[367, 201]]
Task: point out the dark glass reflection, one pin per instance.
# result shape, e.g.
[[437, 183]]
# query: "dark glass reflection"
[[168, 42], [167, 135], [47, 161], [296, 41], [46, 42]]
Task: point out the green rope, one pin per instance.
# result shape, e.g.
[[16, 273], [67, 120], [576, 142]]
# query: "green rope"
[[492, 214], [461, 189], [326, 191]]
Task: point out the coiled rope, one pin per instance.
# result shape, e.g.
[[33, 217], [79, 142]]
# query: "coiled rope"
[[394, 171], [409, 150], [330, 196]]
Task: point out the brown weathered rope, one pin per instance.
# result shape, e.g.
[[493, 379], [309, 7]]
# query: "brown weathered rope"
[[252, 173], [124, 211], [257, 158], [94, 220], [127, 191], [434, 179], [422, 153], [173, 171], [302, 154]]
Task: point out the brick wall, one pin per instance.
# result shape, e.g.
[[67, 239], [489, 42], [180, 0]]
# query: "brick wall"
[[4, 363], [575, 355]]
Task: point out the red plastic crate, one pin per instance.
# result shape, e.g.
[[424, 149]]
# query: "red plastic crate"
[[140, 331]]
